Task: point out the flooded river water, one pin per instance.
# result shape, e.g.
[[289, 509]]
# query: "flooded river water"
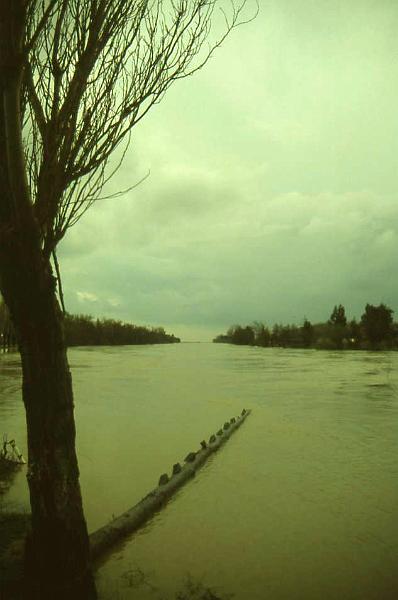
[[300, 504]]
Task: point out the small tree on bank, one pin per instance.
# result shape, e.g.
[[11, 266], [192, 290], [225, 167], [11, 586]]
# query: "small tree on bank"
[[338, 317], [75, 78], [377, 323], [307, 333]]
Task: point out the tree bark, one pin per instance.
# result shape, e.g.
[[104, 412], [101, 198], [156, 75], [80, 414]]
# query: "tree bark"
[[58, 563], [57, 557]]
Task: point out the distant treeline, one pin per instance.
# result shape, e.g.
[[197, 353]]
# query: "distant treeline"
[[7, 334], [84, 330], [376, 330]]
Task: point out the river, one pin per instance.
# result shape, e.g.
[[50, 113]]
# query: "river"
[[301, 503]]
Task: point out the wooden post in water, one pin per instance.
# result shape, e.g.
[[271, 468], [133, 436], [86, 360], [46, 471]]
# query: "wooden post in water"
[[105, 537]]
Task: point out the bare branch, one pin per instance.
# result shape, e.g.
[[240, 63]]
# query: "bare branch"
[[59, 281], [40, 25], [94, 70]]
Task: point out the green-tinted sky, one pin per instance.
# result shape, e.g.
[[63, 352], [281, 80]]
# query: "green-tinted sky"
[[273, 186]]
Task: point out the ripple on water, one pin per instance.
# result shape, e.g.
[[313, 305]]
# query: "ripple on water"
[[301, 503]]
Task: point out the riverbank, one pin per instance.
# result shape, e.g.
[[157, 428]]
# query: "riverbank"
[[14, 527]]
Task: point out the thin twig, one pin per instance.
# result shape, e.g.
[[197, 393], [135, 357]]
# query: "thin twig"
[[58, 273]]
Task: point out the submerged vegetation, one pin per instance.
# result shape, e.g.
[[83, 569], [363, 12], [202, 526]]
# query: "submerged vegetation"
[[375, 330]]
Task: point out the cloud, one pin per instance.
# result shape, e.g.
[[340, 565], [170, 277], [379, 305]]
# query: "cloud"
[[272, 191], [276, 260], [86, 297]]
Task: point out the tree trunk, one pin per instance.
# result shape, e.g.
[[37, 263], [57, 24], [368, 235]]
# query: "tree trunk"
[[58, 562], [59, 543]]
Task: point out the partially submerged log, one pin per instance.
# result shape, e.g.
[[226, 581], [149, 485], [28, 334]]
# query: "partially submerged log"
[[105, 537]]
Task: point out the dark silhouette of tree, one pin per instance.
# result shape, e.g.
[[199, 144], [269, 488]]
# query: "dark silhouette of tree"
[[338, 322], [4, 317], [222, 339], [82, 330], [7, 332], [276, 335], [376, 329], [307, 333], [377, 323], [242, 336], [75, 78], [262, 334], [338, 316], [354, 332]]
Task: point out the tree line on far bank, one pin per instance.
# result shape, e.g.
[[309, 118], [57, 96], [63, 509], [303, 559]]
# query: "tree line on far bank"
[[84, 330], [375, 330]]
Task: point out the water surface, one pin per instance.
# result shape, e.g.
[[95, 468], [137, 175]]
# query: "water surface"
[[300, 504]]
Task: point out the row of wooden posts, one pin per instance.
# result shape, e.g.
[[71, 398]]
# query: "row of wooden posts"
[[104, 538]]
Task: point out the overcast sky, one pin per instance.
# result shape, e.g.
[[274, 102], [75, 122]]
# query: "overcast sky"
[[272, 192]]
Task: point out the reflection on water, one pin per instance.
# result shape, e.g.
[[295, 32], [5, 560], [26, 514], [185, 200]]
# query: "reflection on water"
[[9, 376], [300, 504]]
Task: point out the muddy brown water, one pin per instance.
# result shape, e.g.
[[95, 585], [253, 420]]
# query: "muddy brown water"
[[300, 504]]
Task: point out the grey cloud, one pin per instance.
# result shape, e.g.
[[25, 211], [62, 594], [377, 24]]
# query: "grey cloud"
[[273, 189]]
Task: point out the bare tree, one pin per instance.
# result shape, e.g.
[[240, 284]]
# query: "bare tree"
[[75, 78]]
